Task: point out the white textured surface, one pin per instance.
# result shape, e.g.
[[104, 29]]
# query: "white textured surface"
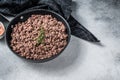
[[81, 60]]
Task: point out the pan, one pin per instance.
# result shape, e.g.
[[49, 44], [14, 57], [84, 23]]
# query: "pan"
[[23, 17]]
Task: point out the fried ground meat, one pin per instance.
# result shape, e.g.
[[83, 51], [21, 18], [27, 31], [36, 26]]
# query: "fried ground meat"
[[25, 37]]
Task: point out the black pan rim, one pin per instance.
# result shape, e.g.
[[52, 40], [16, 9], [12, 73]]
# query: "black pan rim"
[[46, 59]]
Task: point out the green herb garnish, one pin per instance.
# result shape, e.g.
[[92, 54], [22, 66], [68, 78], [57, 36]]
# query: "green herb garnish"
[[40, 37]]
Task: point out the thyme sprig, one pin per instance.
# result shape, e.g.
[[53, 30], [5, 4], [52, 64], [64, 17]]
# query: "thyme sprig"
[[40, 37]]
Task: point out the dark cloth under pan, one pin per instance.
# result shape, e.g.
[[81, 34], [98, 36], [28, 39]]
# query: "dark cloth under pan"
[[62, 7]]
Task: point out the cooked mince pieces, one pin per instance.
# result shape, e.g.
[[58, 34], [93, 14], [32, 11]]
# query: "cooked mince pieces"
[[39, 37]]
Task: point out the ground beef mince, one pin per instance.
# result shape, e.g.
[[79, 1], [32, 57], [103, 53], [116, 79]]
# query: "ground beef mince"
[[39, 37]]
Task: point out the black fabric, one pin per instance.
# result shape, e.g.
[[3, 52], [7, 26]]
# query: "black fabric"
[[63, 7]]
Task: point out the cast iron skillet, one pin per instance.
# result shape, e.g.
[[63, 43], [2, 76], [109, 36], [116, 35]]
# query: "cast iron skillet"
[[24, 16]]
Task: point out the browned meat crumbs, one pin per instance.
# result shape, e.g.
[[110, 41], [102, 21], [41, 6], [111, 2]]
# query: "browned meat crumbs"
[[39, 37]]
